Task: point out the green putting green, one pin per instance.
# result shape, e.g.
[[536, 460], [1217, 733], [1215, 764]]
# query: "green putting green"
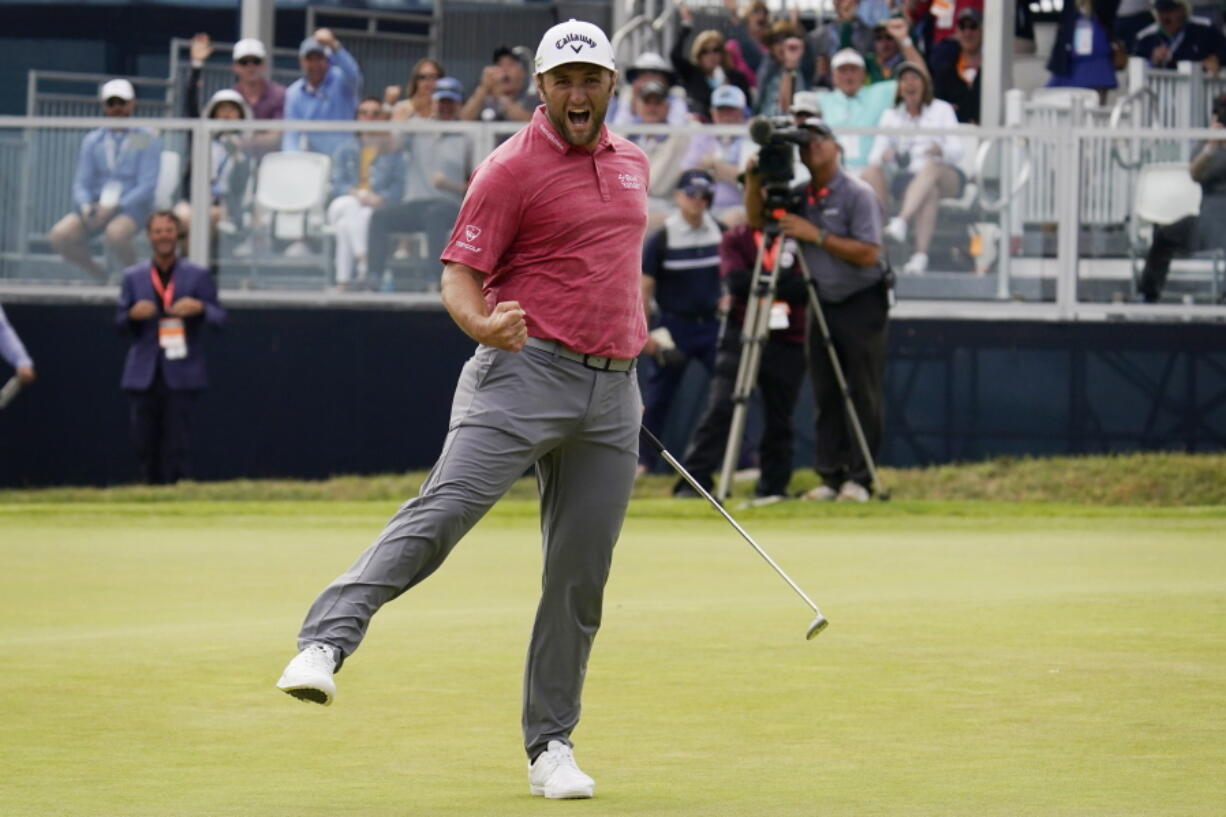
[[980, 660]]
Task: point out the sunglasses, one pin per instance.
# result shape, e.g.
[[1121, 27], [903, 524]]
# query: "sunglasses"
[[706, 51], [250, 61], [425, 77], [884, 35], [115, 102], [968, 25]]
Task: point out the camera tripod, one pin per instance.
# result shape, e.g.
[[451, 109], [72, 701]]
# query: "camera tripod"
[[754, 334]]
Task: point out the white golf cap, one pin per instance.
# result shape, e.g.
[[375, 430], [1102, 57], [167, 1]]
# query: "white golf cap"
[[249, 47], [848, 56], [574, 41], [805, 102], [117, 88]]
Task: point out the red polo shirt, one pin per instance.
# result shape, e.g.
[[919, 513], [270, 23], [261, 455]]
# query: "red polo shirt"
[[560, 230]]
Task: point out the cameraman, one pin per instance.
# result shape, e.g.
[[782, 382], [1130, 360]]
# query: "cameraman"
[[838, 225], [1201, 232]]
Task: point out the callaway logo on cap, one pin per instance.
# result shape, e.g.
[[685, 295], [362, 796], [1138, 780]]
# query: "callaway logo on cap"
[[574, 41]]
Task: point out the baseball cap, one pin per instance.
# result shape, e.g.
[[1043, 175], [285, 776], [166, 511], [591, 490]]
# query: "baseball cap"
[[650, 61], [696, 183], [805, 102], [847, 56], [817, 125], [1168, 5], [652, 88], [972, 13], [227, 95], [249, 47], [728, 96], [311, 45], [449, 88], [574, 41], [117, 88]]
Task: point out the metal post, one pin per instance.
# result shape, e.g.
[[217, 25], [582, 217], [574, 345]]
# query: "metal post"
[[1010, 218], [200, 194], [257, 20], [1068, 203], [997, 65]]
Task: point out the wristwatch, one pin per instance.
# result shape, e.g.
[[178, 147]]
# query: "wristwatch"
[[821, 237]]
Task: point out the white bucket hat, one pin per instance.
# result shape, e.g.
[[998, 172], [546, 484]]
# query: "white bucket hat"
[[574, 41]]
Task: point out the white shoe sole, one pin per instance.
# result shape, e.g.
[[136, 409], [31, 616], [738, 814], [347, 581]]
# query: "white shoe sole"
[[580, 793]]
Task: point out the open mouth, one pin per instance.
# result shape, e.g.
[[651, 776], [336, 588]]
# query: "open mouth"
[[579, 119]]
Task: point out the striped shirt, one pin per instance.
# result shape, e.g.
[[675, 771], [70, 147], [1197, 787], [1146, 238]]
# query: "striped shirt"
[[684, 260]]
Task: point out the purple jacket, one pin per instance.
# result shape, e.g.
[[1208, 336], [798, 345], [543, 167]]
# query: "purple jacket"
[[145, 355]]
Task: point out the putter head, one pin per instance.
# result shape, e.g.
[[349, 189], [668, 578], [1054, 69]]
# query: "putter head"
[[816, 627]]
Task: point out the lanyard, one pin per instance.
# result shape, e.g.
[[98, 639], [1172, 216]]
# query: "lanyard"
[[167, 292], [769, 253], [112, 152]]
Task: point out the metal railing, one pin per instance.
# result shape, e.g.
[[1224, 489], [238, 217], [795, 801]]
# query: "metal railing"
[[1005, 169]]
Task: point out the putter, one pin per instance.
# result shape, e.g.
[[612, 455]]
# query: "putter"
[[818, 624]]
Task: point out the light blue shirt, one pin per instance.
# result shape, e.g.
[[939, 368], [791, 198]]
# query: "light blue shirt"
[[10, 345], [860, 111], [129, 158], [334, 99]]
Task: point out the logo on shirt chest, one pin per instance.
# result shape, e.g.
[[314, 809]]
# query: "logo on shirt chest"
[[630, 181]]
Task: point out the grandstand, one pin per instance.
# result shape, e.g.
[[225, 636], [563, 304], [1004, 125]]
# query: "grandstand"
[[1028, 300]]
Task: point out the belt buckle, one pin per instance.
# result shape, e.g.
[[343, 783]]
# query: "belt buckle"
[[596, 362]]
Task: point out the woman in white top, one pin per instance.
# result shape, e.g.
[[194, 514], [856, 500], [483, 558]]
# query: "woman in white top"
[[919, 169]]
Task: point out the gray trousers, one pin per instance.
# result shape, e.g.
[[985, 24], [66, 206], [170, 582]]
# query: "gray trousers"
[[579, 426]]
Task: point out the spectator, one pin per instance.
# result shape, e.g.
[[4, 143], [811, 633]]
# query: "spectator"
[[1130, 18], [14, 351], [649, 67], [418, 94], [438, 169], [956, 66], [846, 30], [1083, 55], [665, 151], [368, 175], [853, 104], [707, 67], [939, 18], [750, 30], [839, 235], [723, 156], [1174, 37], [229, 165], [781, 74], [1202, 232], [117, 173], [264, 98], [919, 169], [780, 372], [502, 95], [681, 274], [892, 46], [163, 306], [328, 90]]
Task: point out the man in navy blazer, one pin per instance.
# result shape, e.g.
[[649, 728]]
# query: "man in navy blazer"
[[164, 305]]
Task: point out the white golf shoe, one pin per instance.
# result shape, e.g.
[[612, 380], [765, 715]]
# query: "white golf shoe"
[[822, 493], [554, 775], [853, 492], [308, 677]]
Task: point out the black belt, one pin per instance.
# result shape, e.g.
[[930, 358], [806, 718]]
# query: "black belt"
[[604, 364]]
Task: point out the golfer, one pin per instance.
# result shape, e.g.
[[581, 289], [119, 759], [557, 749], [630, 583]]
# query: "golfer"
[[542, 270]]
